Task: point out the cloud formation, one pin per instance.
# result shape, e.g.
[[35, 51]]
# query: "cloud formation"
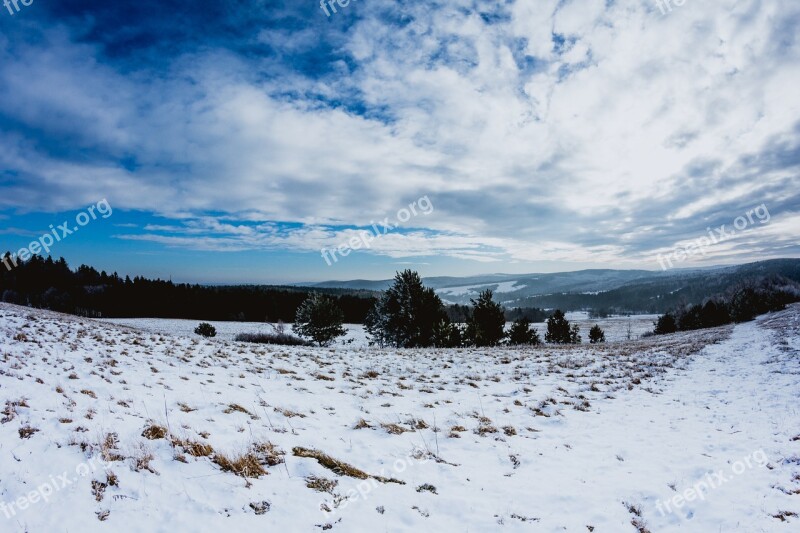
[[549, 130]]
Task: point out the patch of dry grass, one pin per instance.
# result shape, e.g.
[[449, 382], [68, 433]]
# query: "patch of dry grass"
[[141, 458], [26, 432], [395, 429], [154, 431], [339, 467], [235, 407], [321, 484], [185, 408], [246, 465], [193, 448], [362, 424]]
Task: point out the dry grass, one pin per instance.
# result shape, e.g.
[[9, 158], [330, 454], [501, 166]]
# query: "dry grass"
[[26, 432], [783, 516], [288, 413], [246, 465], [418, 423], [108, 448], [339, 467], [485, 429], [235, 407], [395, 429], [362, 424], [427, 487], [185, 408], [268, 453], [193, 448], [321, 484], [98, 490], [260, 508], [141, 458], [154, 431], [252, 463], [637, 520]]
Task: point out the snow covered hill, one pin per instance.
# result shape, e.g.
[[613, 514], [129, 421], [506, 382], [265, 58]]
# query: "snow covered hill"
[[110, 428]]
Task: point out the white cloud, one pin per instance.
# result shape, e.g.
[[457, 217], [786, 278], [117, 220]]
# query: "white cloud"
[[606, 128]]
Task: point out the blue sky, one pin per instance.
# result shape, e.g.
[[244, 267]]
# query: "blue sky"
[[236, 139]]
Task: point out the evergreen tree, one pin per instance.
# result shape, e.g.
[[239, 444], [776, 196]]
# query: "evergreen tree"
[[596, 335], [744, 304], [407, 314], [486, 322], [319, 319], [714, 314], [447, 335], [558, 329], [574, 334], [521, 333], [665, 324]]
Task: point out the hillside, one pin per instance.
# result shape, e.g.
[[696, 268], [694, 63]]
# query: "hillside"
[[107, 427], [637, 291]]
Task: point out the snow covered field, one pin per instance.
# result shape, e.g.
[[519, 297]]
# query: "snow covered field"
[[616, 328], [226, 330], [108, 428]]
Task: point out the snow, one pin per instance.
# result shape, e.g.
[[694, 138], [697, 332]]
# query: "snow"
[[509, 286], [554, 438], [615, 328], [356, 335], [499, 287]]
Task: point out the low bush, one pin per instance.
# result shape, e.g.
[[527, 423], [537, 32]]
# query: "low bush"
[[273, 338], [206, 330]]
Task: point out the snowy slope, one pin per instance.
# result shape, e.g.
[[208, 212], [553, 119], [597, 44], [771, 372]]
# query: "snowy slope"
[[545, 439]]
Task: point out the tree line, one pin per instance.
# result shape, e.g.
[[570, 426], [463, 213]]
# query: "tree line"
[[51, 284], [410, 315], [740, 303]]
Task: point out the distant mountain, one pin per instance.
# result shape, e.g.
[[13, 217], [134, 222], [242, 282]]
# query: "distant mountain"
[[620, 290]]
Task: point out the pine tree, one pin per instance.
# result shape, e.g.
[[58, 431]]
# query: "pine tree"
[[558, 329], [574, 334], [320, 319], [447, 335], [486, 322], [596, 335], [665, 324], [407, 314], [521, 333]]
